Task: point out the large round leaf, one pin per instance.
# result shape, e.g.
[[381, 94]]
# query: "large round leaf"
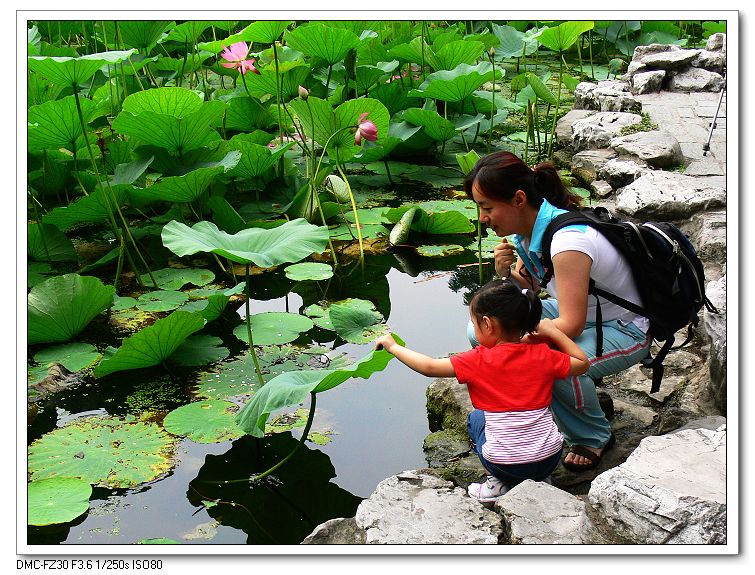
[[57, 500], [67, 71], [274, 328], [153, 344], [436, 126], [263, 31], [321, 41], [72, 356], [563, 36], [309, 271], [288, 243], [61, 307], [199, 350], [255, 159], [103, 451], [357, 324], [176, 278], [320, 314], [457, 84], [208, 421], [46, 243], [161, 300], [87, 210], [236, 378], [56, 124]]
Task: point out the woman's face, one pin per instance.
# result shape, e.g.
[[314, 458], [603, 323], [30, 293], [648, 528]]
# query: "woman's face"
[[502, 216]]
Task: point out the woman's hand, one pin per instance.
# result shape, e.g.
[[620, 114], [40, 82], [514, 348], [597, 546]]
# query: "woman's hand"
[[385, 342], [504, 258]]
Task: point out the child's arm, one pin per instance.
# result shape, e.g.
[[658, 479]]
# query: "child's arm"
[[579, 362], [419, 362]]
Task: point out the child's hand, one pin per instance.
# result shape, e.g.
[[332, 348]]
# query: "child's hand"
[[545, 329], [385, 342]]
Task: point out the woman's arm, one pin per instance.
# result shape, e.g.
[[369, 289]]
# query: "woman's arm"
[[572, 272], [504, 258], [579, 362], [426, 365]]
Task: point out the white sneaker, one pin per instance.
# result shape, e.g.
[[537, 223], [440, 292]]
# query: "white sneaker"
[[489, 491]]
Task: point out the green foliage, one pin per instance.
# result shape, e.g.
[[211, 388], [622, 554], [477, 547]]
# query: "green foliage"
[[274, 328], [646, 125], [57, 500], [208, 421]]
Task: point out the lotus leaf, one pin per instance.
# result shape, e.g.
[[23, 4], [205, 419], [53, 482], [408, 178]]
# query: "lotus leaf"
[[61, 307], [188, 32], [414, 51], [37, 272], [103, 451], [274, 327], [288, 243], [456, 52], [321, 41], [357, 324], [264, 85], [225, 216], [441, 222], [400, 233], [320, 315], [563, 36], [512, 42], [247, 114], [141, 33], [176, 278], [541, 90], [152, 345], [57, 500], [294, 387], [348, 232], [263, 31], [90, 209], [255, 159], [398, 132], [72, 356], [46, 243], [437, 127], [161, 300], [457, 84], [210, 308], [439, 251], [309, 271], [200, 350], [55, 124], [158, 541], [71, 71], [209, 421], [236, 378]]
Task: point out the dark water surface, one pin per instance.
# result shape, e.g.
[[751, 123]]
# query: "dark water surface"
[[378, 427]]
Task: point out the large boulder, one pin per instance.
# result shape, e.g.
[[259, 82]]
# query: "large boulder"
[[645, 82], [713, 61], [669, 60], [619, 172], [715, 327], [658, 148], [585, 165], [598, 130], [448, 405], [671, 490], [538, 513], [716, 42], [605, 96], [658, 195], [416, 507], [696, 80], [564, 126]]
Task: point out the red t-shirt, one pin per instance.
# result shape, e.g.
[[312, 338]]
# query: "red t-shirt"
[[511, 376]]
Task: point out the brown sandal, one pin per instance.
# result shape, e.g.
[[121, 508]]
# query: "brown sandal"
[[592, 456]]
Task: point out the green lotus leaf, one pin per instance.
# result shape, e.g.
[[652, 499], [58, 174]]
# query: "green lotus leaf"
[[103, 451], [209, 421], [512, 42], [247, 114], [255, 159], [55, 124], [199, 350], [69, 71], [190, 186], [309, 271], [161, 300], [400, 233], [321, 41], [294, 387], [61, 307], [152, 345], [72, 356], [489, 242], [439, 251], [320, 314], [348, 231], [123, 302], [57, 500], [368, 75], [441, 222], [316, 118], [142, 33], [233, 379], [188, 32], [457, 84], [225, 216], [367, 216], [210, 309], [287, 243], [263, 85], [274, 327], [457, 52], [437, 127], [541, 90], [563, 36], [263, 31], [46, 243], [158, 541], [413, 51], [357, 324], [398, 132], [90, 209], [176, 278]]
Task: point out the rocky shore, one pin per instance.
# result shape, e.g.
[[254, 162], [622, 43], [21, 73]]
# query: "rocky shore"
[[665, 480]]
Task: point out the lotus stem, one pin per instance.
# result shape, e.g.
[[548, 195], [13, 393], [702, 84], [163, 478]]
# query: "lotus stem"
[[356, 215], [277, 93], [249, 328], [558, 102], [304, 434], [479, 244]]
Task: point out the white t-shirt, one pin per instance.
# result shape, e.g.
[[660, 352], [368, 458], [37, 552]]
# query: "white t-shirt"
[[609, 270]]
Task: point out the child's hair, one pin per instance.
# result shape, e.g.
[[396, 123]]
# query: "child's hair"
[[516, 309]]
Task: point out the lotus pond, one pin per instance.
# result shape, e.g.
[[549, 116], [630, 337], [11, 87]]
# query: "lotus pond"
[[222, 216]]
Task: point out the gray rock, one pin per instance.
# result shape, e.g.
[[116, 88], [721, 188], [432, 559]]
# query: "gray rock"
[[658, 148], [641, 51], [696, 80], [715, 327], [635, 67], [670, 60], [711, 422], [340, 531], [645, 82], [596, 131], [564, 127], [416, 507], [448, 454], [619, 172], [601, 189], [537, 513], [605, 96], [706, 166], [709, 236], [658, 195], [713, 61], [585, 165], [642, 416], [716, 42], [448, 405], [672, 489]]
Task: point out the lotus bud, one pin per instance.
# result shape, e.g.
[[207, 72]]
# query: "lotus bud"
[[491, 52], [303, 93]]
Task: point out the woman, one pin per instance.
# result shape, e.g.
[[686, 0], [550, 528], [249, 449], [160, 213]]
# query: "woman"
[[516, 199]]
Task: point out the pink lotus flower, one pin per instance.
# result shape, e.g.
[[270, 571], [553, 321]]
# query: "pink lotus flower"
[[366, 129], [235, 57]]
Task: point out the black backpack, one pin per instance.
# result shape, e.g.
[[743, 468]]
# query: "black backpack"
[[665, 266]]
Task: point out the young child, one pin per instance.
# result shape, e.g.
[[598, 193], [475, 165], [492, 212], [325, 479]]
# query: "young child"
[[510, 383]]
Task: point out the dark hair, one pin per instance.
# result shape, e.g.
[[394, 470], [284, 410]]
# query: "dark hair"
[[517, 310], [500, 174]]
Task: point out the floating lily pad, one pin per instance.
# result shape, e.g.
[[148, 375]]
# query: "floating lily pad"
[[161, 300], [357, 324], [309, 271], [439, 251], [208, 421], [158, 541], [57, 500], [123, 302], [72, 356], [234, 379], [275, 327], [347, 232], [103, 451], [61, 307], [200, 350], [320, 314], [176, 278]]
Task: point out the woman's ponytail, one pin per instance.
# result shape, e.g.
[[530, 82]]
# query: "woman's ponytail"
[[552, 188]]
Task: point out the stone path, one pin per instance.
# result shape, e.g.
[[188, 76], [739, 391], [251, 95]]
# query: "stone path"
[[688, 117]]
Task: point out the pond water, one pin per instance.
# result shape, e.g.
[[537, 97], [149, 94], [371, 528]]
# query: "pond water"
[[376, 427]]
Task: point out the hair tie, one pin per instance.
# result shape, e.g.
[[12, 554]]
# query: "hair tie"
[[524, 292]]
